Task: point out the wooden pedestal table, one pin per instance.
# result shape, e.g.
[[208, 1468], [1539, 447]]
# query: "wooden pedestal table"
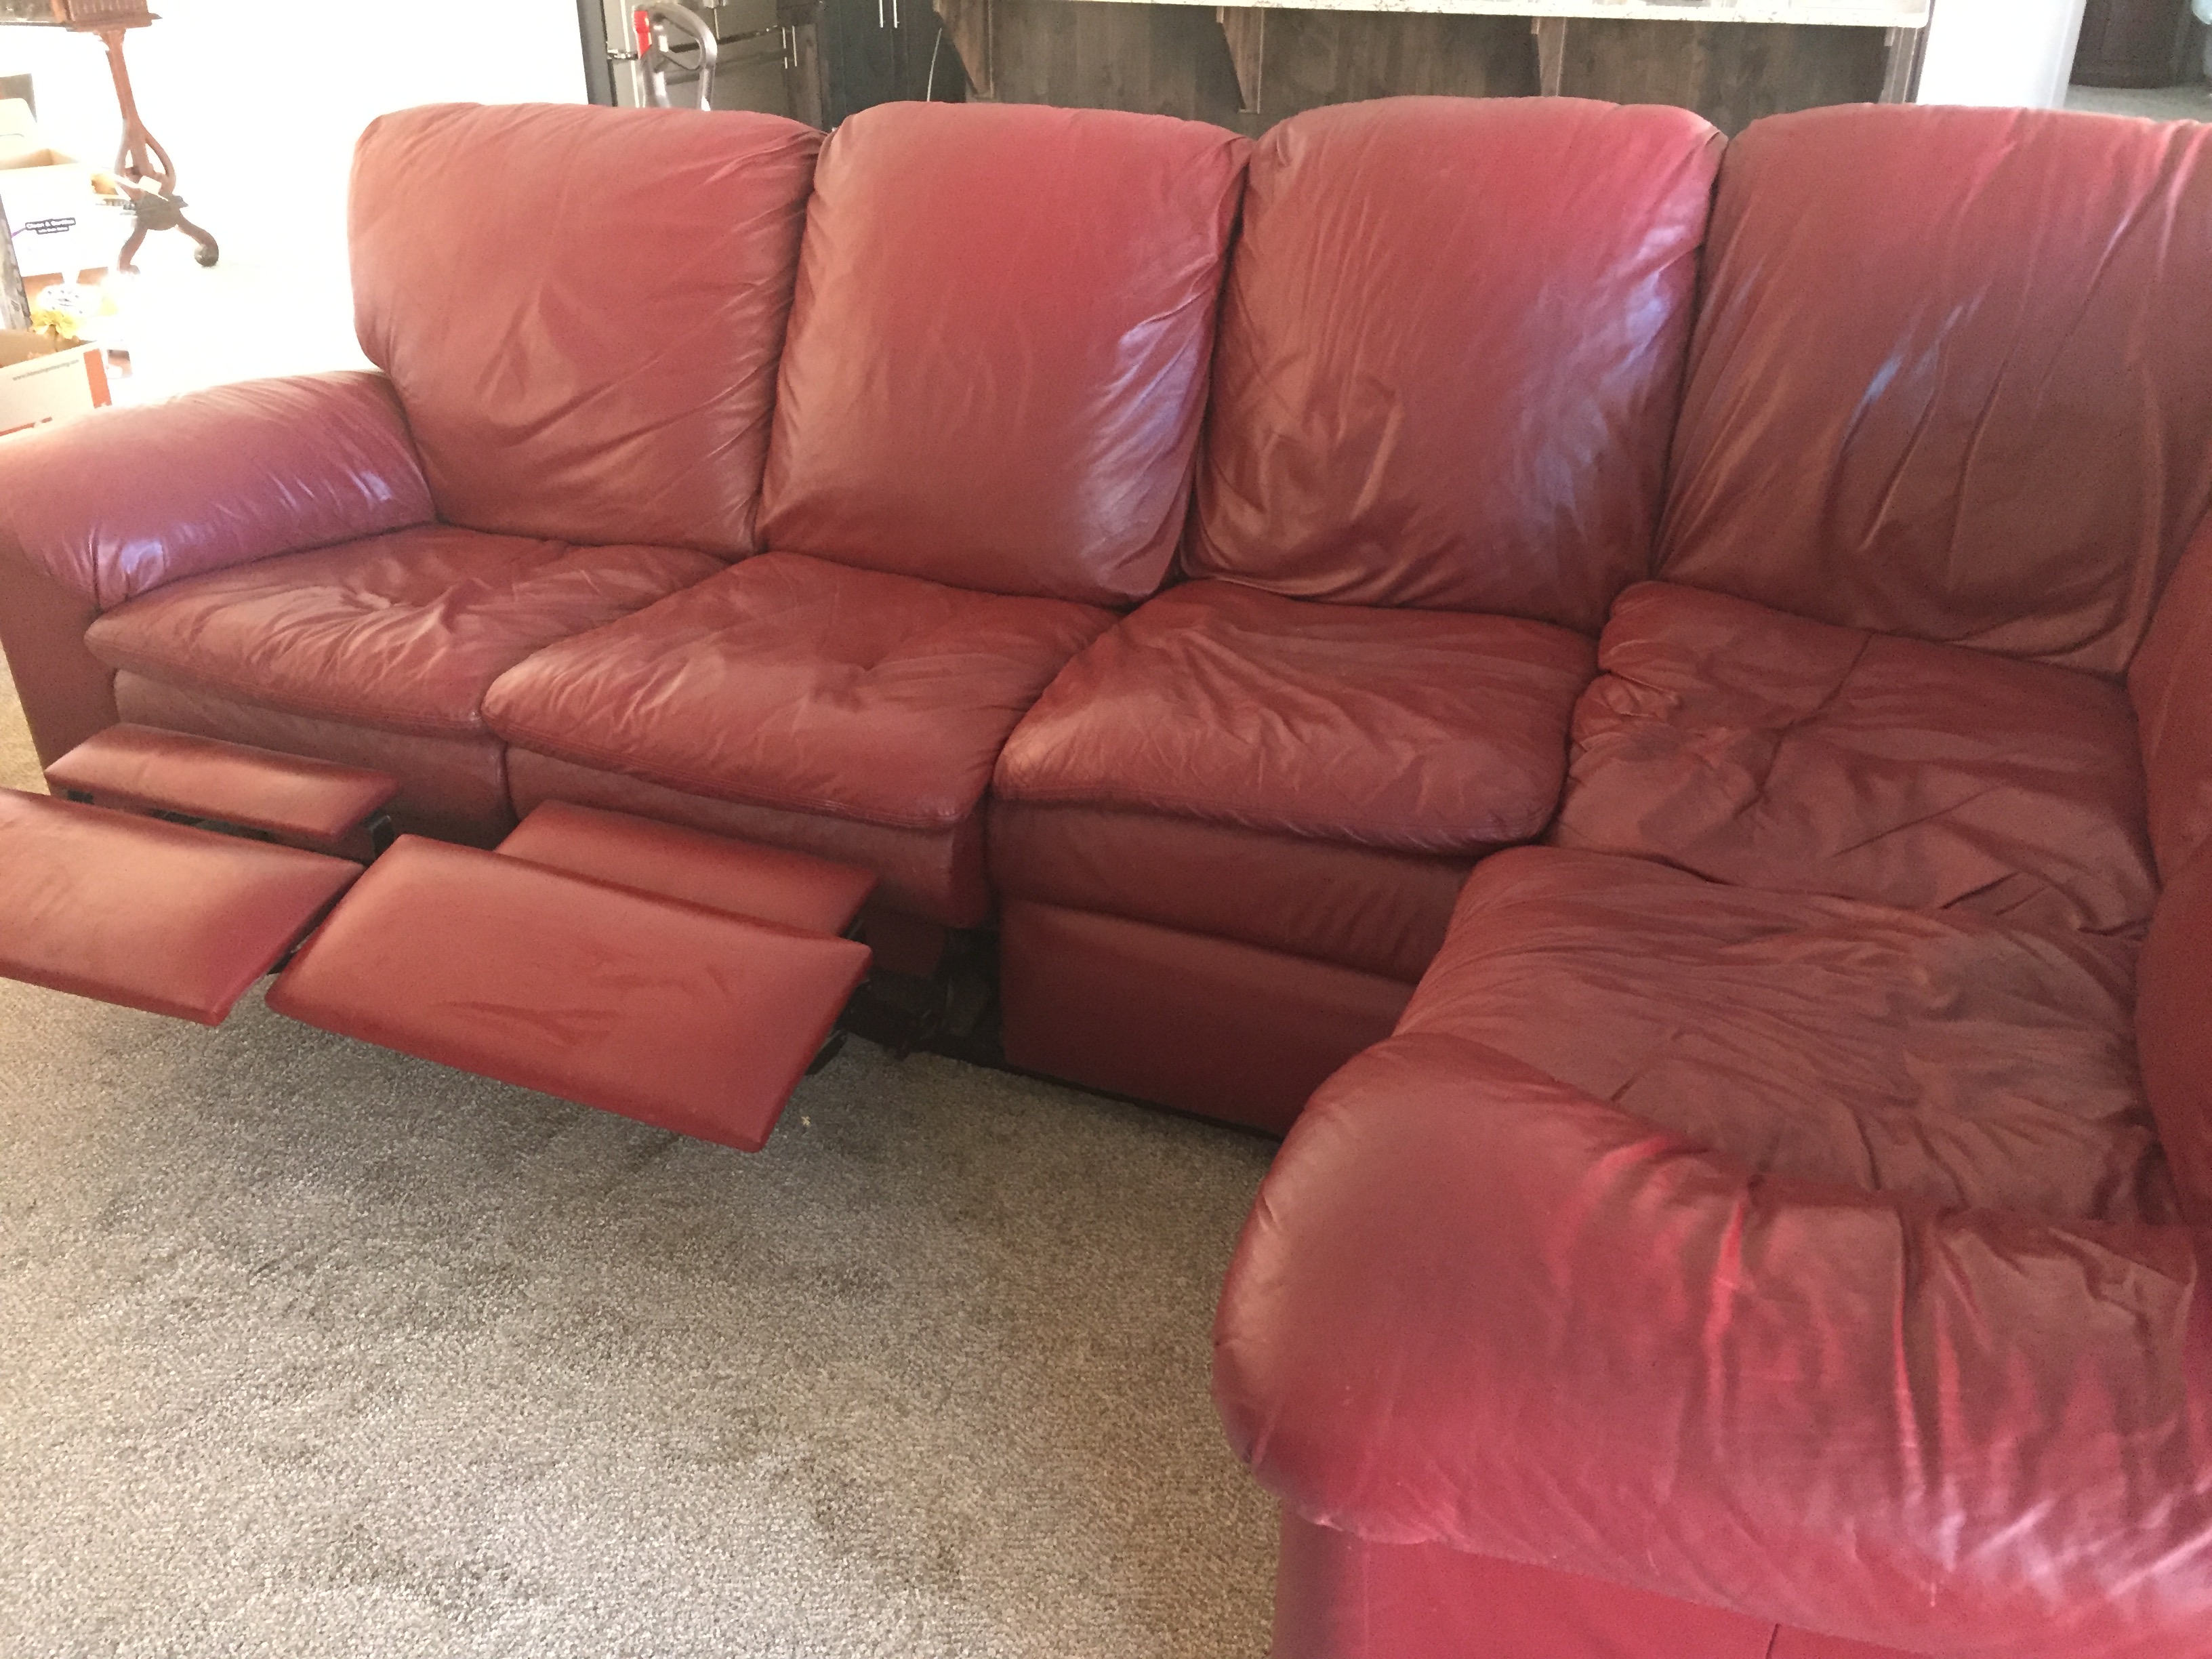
[[143, 167]]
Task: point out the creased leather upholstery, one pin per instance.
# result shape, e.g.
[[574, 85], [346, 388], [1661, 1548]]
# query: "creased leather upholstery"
[[1359, 907], [936, 875], [582, 309], [1950, 378], [209, 480], [1764, 750], [1224, 1030], [800, 684], [1475, 1306], [453, 785], [791, 890], [2170, 683], [67, 693], [999, 350], [1341, 1597], [406, 632], [1943, 1056], [681, 1016], [295, 801], [2173, 1032], [1424, 732], [174, 919], [1451, 354]]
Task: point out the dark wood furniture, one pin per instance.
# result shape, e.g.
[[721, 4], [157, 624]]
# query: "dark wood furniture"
[[849, 54], [2135, 43], [1250, 67]]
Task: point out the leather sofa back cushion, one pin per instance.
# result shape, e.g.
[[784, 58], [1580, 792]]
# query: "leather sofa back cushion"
[[1951, 378], [2171, 682], [582, 310], [2173, 1032], [1451, 354], [999, 350]]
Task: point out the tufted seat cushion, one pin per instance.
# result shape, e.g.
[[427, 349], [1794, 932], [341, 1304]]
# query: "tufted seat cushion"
[[1312, 778], [404, 633], [1767, 751], [803, 687], [1948, 1055], [1420, 732], [375, 653]]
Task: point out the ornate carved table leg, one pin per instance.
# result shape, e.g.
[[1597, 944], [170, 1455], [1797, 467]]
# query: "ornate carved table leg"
[[146, 174]]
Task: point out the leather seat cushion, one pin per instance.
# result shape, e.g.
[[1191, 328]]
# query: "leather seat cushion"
[[1761, 748], [405, 632], [1366, 907], [1422, 731], [795, 684], [1941, 1053]]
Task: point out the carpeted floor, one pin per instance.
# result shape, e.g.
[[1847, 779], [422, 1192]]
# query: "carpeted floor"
[[307, 1349]]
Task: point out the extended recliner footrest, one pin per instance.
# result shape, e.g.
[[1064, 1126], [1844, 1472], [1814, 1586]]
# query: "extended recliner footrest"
[[795, 889], [150, 914], [691, 1018], [317, 805], [673, 977]]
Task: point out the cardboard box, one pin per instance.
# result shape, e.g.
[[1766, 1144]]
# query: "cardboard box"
[[39, 387], [61, 221]]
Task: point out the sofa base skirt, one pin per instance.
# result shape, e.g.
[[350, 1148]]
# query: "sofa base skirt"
[[1337, 1597], [453, 789], [1204, 1026], [1379, 912]]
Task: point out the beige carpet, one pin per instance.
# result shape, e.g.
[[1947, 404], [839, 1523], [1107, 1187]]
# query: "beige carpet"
[[19, 766], [309, 1349]]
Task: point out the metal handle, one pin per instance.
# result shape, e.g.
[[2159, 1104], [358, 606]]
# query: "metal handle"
[[657, 25]]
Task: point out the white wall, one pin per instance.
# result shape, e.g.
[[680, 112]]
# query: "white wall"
[[2000, 52], [259, 103]]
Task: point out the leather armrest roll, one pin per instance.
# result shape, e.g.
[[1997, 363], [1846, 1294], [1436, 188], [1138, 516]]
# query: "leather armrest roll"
[[127, 499], [1475, 1308]]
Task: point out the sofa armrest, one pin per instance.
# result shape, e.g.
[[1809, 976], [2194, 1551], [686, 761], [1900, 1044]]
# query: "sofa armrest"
[[1473, 1307], [2170, 682], [121, 502]]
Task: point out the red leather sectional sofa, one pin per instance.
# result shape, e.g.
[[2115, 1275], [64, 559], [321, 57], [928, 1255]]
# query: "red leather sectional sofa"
[[1689, 661]]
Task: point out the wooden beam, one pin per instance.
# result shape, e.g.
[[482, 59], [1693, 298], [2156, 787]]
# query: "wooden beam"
[[969, 23], [1551, 54], [1245, 28], [1842, 14], [801, 21]]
